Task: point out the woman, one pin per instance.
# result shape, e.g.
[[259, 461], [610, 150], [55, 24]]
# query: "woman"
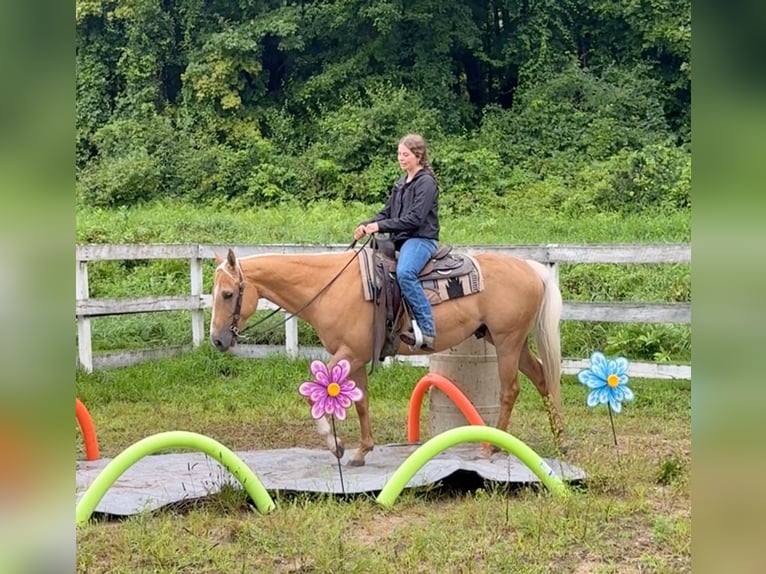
[[411, 218]]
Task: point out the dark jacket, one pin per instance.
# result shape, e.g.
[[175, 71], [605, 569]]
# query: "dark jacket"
[[412, 209]]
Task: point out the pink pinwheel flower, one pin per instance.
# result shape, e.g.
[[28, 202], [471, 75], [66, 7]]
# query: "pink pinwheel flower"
[[331, 392]]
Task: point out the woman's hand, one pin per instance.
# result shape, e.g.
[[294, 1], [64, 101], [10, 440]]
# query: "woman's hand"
[[362, 230]]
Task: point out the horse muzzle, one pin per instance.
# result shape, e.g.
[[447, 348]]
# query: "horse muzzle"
[[223, 340]]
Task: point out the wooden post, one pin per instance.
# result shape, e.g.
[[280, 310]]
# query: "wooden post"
[[291, 337], [84, 343], [198, 315]]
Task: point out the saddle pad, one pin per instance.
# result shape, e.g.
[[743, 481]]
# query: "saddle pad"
[[437, 290], [440, 290]]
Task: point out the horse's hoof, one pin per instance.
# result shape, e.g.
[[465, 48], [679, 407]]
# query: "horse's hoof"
[[335, 446], [356, 462]]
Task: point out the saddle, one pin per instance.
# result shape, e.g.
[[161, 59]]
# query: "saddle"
[[445, 276]]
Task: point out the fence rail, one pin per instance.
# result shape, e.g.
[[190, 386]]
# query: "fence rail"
[[196, 302]]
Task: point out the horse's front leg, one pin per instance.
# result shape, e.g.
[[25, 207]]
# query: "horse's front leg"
[[366, 443], [334, 443]]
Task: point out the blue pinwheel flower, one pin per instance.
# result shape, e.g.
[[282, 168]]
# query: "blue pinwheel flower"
[[608, 381]]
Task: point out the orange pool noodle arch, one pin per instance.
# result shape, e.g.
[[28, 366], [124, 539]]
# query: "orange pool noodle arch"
[[448, 388], [88, 430]]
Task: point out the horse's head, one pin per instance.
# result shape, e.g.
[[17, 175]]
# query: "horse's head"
[[233, 302]]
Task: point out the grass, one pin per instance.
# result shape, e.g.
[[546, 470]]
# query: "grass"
[[328, 222], [632, 515]]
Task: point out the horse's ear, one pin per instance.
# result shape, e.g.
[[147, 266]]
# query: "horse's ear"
[[218, 259], [231, 259]]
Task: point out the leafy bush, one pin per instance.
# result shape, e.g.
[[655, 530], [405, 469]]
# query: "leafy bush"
[[657, 176], [362, 135], [654, 176], [468, 176], [269, 183], [575, 117], [375, 182], [135, 161], [122, 180], [244, 167]]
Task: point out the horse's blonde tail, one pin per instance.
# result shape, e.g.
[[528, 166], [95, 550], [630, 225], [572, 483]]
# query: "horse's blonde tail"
[[547, 331]]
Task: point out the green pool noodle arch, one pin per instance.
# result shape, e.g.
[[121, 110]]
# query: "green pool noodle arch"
[[172, 439], [469, 433]]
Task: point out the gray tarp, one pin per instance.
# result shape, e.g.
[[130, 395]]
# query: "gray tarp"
[[162, 479]]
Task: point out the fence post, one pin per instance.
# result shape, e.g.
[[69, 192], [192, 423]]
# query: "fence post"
[[555, 272], [198, 314], [84, 343], [291, 337]]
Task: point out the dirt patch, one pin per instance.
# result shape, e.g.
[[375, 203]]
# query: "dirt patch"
[[370, 533]]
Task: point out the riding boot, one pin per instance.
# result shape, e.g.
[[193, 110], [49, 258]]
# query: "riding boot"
[[414, 337], [428, 343]]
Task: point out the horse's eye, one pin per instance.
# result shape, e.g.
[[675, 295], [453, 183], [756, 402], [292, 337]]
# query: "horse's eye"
[[227, 294]]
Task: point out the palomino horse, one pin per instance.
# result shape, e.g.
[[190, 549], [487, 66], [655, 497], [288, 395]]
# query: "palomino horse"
[[325, 290]]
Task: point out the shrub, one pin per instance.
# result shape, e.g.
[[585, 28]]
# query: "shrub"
[[469, 176], [122, 180], [359, 135], [135, 160], [268, 183], [576, 117], [374, 183], [654, 176], [245, 168]]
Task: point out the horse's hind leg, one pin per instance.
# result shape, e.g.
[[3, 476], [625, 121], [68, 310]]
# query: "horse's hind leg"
[[533, 369], [508, 370]]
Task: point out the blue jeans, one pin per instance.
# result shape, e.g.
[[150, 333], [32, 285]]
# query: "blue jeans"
[[413, 256]]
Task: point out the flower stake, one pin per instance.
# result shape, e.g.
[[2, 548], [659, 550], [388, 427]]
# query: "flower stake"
[[608, 384], [331, 393]]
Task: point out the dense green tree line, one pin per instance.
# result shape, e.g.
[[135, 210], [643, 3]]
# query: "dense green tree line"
[[579, 104]]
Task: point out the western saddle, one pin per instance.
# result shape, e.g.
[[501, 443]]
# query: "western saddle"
[[389, 305]]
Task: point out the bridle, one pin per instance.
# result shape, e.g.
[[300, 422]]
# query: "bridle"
[[238, 303], [237, 314], [241, 292]]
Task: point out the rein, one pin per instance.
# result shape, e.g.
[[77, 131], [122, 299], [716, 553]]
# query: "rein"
[[241, 290]]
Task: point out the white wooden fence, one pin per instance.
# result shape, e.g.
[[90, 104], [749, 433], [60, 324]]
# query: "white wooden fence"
[[86, 308]]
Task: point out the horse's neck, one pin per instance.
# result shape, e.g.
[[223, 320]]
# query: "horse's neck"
[[291, 281]]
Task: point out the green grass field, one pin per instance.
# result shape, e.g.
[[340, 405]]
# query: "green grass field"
[[632, 515]]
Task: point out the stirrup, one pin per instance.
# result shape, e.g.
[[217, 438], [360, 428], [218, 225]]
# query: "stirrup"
[[414, 337]]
